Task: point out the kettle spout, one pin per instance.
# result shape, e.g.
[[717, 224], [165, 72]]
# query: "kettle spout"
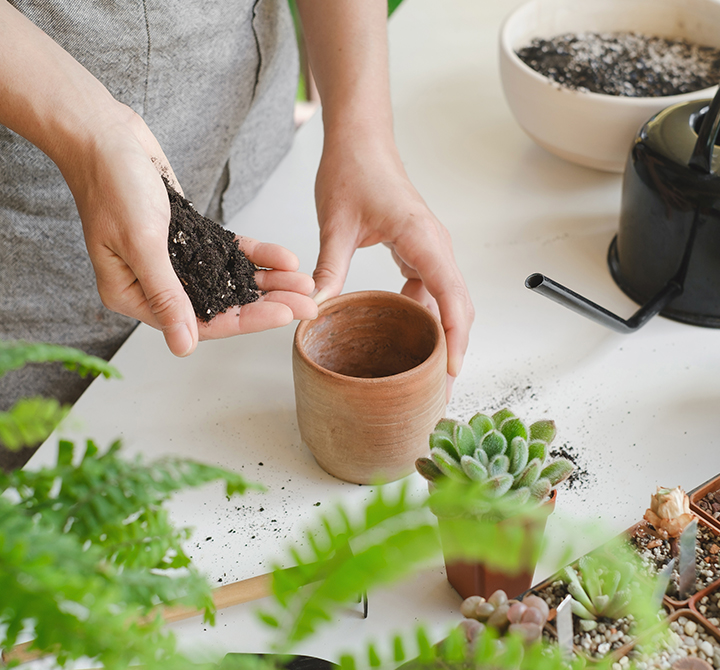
[[574, 301]]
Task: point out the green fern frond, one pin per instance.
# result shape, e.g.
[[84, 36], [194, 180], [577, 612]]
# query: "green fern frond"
[[30, 421], [76, 604], [17, 354], [116, 504]]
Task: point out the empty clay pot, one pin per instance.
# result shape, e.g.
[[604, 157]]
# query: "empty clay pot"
[[370, 384]]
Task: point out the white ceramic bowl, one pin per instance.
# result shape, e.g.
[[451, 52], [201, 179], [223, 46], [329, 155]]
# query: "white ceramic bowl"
[[593, 129]]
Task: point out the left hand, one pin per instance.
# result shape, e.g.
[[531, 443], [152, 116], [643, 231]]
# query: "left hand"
[[363, 198]]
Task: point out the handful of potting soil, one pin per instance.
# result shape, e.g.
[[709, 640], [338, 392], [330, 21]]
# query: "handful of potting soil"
[[213, 270]]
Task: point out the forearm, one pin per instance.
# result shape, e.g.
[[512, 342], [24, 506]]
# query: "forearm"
[[347, 48], [46, 95]]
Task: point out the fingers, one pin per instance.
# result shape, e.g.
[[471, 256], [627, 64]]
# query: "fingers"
[[168, 305], [415, 289], [273, 310], [252, 318], [456, 343], [441, 279], [267, 255], [277, 280], [336, 251]]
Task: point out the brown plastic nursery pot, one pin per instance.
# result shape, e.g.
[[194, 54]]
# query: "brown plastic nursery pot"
[[370, 379], [477, 579], [697, 494]]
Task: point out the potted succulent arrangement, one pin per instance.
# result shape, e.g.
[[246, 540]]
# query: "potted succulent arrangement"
[[507, 464], [603, 589]]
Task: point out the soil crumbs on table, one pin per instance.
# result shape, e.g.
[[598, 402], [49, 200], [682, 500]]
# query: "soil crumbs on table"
[[623, 63], [580, 475], [214, 271]]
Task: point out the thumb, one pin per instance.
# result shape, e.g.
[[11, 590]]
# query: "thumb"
[[170, 308], [333, 263]]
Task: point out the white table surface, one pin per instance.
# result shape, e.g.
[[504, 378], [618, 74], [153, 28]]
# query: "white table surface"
[[638, 410]]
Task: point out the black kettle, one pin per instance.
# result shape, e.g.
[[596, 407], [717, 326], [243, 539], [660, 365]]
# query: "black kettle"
[[666, 254]]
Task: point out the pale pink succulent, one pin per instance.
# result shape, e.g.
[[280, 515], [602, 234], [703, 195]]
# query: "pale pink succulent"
[[669, 511]]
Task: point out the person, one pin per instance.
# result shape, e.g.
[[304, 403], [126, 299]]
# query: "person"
[[98, 100]]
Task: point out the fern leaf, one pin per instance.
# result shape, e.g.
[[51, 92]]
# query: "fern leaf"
[[30, 421]]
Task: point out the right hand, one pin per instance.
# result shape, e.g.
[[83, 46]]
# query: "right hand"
[[125, 214]]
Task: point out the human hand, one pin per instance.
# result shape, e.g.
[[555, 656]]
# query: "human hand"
[[364, 198], [285, 294], [125, 212]]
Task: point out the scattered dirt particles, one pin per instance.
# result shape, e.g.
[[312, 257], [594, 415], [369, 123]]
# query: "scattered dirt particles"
[[522, 398], [214, 271], [624, 63], [581, 476]]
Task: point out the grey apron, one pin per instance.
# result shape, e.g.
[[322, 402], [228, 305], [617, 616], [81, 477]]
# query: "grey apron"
[[214, 81]]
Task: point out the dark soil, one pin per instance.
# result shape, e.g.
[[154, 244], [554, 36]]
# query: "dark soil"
[[579, 475], [623, 63], [214, 271]]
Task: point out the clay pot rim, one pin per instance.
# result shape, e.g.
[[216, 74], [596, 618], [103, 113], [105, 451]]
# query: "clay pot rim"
[[360, 296]]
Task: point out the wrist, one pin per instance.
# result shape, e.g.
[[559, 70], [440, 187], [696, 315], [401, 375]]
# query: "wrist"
[[357, 129]]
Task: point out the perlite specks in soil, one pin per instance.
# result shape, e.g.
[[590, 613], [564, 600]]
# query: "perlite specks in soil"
[[624, 63]]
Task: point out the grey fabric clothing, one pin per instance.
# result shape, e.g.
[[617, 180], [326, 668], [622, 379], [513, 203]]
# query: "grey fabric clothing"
[[214, 81]]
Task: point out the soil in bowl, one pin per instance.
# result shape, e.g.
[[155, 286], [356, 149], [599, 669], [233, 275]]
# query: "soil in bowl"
[[623, 63], [656, 552], [212, 268]]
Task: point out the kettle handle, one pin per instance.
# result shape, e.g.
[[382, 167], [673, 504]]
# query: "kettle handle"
[[702, 155]]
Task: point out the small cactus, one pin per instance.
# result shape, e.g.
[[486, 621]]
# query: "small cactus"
[[597, 590], [526, 617], [504, 454]]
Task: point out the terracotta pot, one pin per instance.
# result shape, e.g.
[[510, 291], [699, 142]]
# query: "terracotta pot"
[[370, 384], [697, 494], [476, 579]]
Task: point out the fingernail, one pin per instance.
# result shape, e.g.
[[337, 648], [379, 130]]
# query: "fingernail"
[[179, 339], [320, 295]]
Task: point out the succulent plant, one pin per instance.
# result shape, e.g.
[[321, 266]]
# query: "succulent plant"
[[598, 590], [526, 616], [504, 454], [669, 512]]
